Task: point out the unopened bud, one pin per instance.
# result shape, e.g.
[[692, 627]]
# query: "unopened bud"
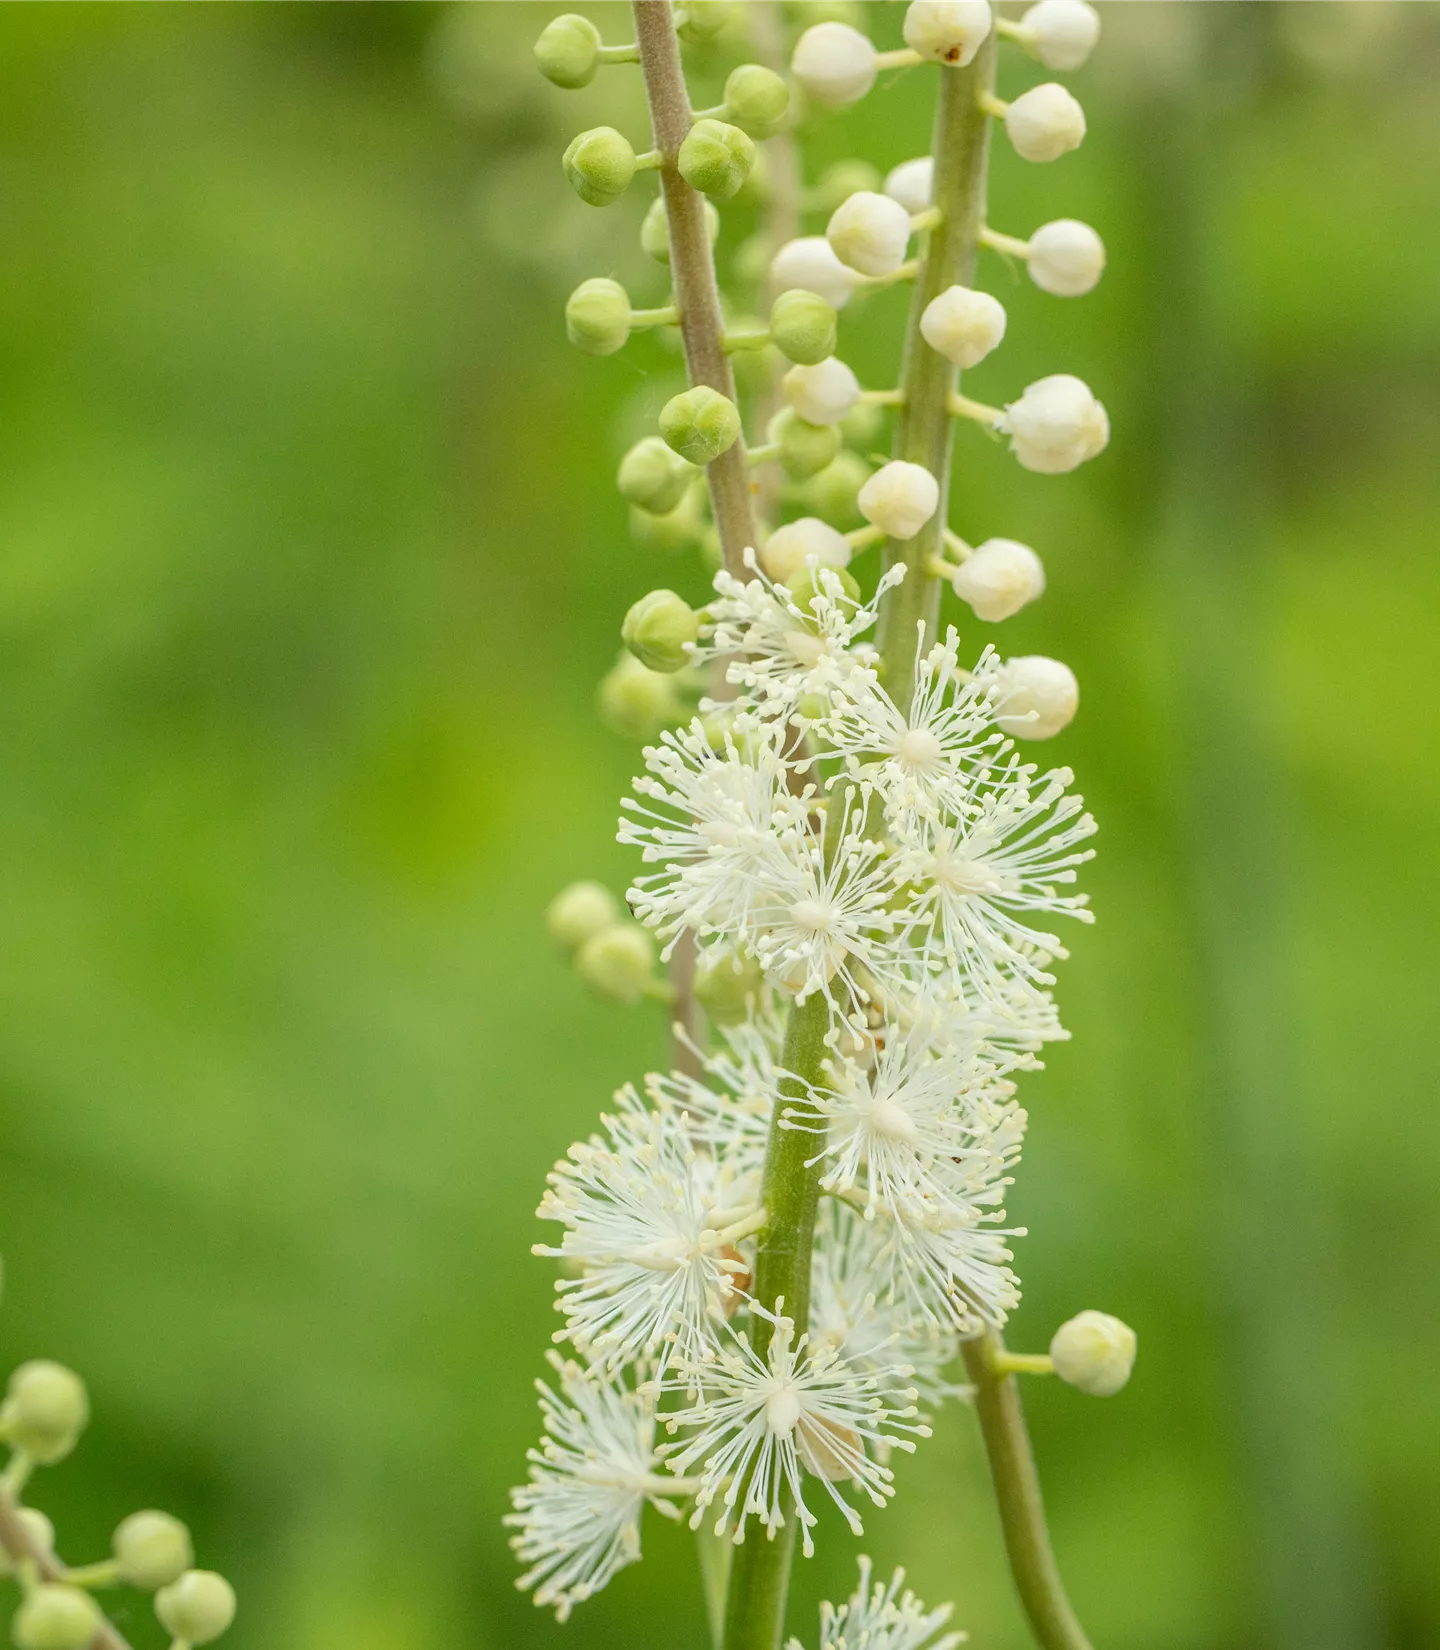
[[45, 1410], [947, 31], [1056, 425], [835, 64], [757, 99], [870, 233], [802, 326], [618, 962], [568, 51], [833, 583], [653, 476], [152, 1549], [673, 530], [600, 164], [597, 316], [1094, 1352], [577, 912], [655, 229], [55, 1618], [660, 629], [700, 424], [791, 547], [912, 183], [840, 181], [1045, 123], [1066, 257], [832, 494], [726, 986], [1035, 697], [197, 1608], [716, 158], [805, 448], [702, 19], [810, 263], [963, 325], [899, 499], [824, 393], [1062, 33], [39, 1531], [999, 578], [635, 701]]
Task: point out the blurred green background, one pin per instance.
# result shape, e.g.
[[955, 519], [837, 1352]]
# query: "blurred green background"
[[309, 561]]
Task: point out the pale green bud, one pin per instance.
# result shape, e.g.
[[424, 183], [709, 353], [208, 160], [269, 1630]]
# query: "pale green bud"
[[152, 1549], [757, 99], [716, 158], [55, 1618], [832, 495], [1094, 1352], [597, 316], [568, 51], [618, 962], [861, 425], [751, 259], [805, 449], [726, 986], [702, 19], [197, 1608], [659, 629], [40, 1531], [635, 701], [675, 530], [700, 424], [655, 230], [839, 182], [654, 477], [811, 582], [600, 164], [579, 911], [803, 326], [46, 1409], [809, 12]]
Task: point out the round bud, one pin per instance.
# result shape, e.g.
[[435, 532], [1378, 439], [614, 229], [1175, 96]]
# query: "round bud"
[[600, 164], [870, 233], [810, 263], [803, 326], [1056, 425], [655, 230], [861, 425], [832, 494], [197, 1608], [568, 51], [597, 316], [702, 19], [660, 629], [674, 530], [757, 99], [963, 325], [1045, 123], [46, 1409], [1035, 697], [152, 1549], [55, 1618], [791, 547], [834, 63], [999, 578], [39, 1530], [726, 985], [654, 477], [1066, 258], [1062, 33], [635, 701], [839, 182], [716, 158], [700, 424], [617, 962], [912, 183], [834, 583], [805, 449], [824, 393], [1094, 1352], [577, 912], [899, 499], [947, 31]]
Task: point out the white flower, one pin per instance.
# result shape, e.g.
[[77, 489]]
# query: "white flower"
[[579, 1516], [730, 1116], [869, 232], [1045, 123], [1094, 1352], [824, 393], [883, 1618], [810, 264], [999, 578], [1056, 425], [789, 548], [1061, 33], [912, 183], [834, 63], [899, 498], [947, 31], [1035, 697], [1067, 257], [762, 1425], [963, 325]]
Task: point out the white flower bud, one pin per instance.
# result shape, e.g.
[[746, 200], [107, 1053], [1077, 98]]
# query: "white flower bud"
[[1066, 257], [152, 1549], [899, 499], [46, 1409], [1094, 1352], [789, 547], [1045, 123], [834, 63], [870, 233], [824, 393], [617, 962], [810, 264], [1062, 33], [55, 1618], [912, 183], [963, 325], [999, 578], [1056, 425], [40, 1531], [1035, 697], [197, 1608], [577, 912], [947, 31]]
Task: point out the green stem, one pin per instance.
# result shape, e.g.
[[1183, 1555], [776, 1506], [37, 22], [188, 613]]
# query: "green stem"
[[715, 1558]]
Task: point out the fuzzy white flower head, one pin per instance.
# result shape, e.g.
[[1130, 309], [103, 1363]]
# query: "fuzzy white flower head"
[[947, 31], [1061, 33], [963, 325], [1045, 123], [899, 498], [810, 264], [883, 1618], [1094, 1352], [912, 183], [789, 548], [1056, 424], [870, 233], [999, 579], [834, 63], [1035, 697], [1067, 258], [824, 393]]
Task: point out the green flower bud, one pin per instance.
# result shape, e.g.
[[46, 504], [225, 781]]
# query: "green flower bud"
[[597, 316], [842, 180], [757, 99], [832, 494], [716, 158], [861, 425], [654, 477], [197, 1608], [55, 1618], [46, 1409], [600, 164], [568, 51], [579, 911], [805, 449], [635, 701], [675, 530], [751, 259], [658, 630], [655, 230], [702, 19], [618, 962], [815, 581], [726, 986], [40, 1531], [803, 327], [152, 1549], [700, 424]]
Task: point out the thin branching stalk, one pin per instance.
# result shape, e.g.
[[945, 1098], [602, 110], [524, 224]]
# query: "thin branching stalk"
[[21, 1550]]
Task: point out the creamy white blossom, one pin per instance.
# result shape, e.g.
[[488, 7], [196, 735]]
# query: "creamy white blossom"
[[1056, 425], [1035, 697], [1061, 33], [869, 232], [1067, 258], [900, 498], [809, 263], [947, 31], [912, 183], [963, 325], [824, 393], [1045, 123], [788, 549], [881, 1617], [999, 578], [834, 63]]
